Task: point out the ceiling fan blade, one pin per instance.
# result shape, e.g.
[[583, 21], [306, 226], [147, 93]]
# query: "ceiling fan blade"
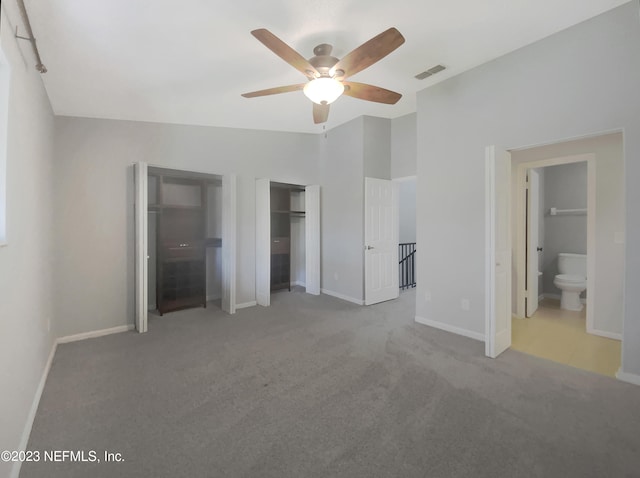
[[285, 52], [370, 93], [274, 91], [320, 113], [370, 52]]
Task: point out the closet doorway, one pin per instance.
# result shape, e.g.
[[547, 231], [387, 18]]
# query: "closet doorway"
[[287, 238], [185, 241]]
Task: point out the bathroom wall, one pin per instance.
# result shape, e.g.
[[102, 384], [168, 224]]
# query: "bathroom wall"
[[565, 187]]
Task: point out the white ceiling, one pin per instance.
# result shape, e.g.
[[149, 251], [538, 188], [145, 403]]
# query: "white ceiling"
[[188, 61]]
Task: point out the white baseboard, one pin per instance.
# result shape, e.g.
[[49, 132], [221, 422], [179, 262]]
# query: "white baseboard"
[[244, 305], [341, 296], [26, 433], [213, 297], [450, 328], [300, 283], [24, 441], [603, 333], [95, 333], [628, 377]]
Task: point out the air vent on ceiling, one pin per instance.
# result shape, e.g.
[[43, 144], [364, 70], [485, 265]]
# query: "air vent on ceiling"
[[429, 72]]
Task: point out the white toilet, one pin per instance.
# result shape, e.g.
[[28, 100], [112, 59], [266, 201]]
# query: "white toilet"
[[572, 279]]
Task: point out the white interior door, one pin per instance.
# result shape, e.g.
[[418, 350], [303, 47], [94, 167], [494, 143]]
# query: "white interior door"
[[533, 208], [229, 229], [498, 252], [263, 242], [312, 239], [380, 240], [142, 254]]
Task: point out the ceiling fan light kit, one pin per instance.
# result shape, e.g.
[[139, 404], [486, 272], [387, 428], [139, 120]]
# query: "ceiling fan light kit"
[[326, 74], [323, 90]]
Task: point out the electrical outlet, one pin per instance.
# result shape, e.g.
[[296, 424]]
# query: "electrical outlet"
[[464, 304], [427, 296]]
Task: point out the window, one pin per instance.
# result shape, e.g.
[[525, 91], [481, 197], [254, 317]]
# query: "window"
[[5, 75]]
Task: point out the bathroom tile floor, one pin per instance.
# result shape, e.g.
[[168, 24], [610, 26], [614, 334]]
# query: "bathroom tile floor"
[[561, 336]]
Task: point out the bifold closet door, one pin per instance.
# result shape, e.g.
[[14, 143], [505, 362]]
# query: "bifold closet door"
[[141, 205], [229, 228], [498, 251], [263, 242], [312, 239]]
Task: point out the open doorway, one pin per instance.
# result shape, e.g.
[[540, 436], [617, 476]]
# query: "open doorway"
[[287, 239], [184, 240], [185, 225], [568, 259], [407, 233]]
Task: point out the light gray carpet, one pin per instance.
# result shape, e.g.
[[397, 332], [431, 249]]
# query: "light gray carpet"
[[317, 387]]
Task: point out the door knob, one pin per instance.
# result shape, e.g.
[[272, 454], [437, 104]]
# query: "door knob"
[[539, 249], [368, 248]]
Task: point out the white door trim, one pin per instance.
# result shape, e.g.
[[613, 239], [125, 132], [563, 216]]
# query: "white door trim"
[[519, 250], [141, 207], [532, 235]]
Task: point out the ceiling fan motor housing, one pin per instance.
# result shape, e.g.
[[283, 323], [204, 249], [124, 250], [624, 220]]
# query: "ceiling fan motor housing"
[[323, 62]]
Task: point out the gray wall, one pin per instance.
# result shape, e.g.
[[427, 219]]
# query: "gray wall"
[[350, 152], [565, 188], [541, 94], [609, 219], [377, 147], [403, 146], [407, 200], [93, 197], [26, 290], [341, 210]]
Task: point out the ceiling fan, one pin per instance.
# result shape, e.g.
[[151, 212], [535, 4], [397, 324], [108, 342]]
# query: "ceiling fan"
[[327, 74]]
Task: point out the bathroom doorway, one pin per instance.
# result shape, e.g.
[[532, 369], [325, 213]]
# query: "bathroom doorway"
[[559, 211]]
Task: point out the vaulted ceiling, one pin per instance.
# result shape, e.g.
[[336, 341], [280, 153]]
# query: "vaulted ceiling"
[[188, 61]]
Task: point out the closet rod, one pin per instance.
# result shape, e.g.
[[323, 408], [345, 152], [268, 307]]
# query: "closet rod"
[[554, 211], [27, 25]]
